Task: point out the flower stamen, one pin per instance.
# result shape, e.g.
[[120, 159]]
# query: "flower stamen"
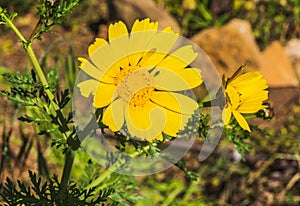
[[134, 86]]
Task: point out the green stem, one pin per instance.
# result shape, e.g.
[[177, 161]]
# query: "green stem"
[[28, 48], [40, 74], [211, 103], [36, 31], [70, 155], [14, 28]]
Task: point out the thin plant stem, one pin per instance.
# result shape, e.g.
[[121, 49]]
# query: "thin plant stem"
[[13, 27], [70, 155], [41, 75], [28, 48], [211, 103], [110, 170]]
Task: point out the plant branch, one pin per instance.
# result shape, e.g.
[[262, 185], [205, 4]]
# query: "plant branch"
[[28, 48], [69, 159], [211, 103]]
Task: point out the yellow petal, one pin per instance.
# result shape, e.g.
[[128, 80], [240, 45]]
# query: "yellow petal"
[[175, 122], [134, 57], [144, 38], [234, 96], [250, 108], [145, 122], [90, 69], [88, 87], [168, 29], [105, 94], [246, 78], [252, 90], [101, 56], [179, 59], [162, 42], [241, 120], [185, 79], [143, 25], [159, 137], [253, 87], [151, 58], [107, 55], [175, 102], [192, 76], [226, 115], [251, 104], [137, 46], [250, 81], [113, 115], [99, 42], [145, 41], [117, 30]]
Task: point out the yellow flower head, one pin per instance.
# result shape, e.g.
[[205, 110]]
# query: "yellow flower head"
[[138, 81], [244, 94]]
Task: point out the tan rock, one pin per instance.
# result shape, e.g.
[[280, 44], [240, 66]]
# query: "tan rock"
[[292, 50], [230, 46], [277, 68], [130, 10]]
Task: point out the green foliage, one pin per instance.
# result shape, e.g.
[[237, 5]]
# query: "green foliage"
[[48, 193], [52, 12], [70, 67], [270, 20], [238, 136], [3, 12], [204, 125], [188, 173], [53, 80], [109, 188], [25, 90], [192, 19], [172, 189], [125, 188]]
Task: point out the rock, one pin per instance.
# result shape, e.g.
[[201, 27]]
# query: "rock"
[[130, 10], [292, 50], [277, 68], [230, 46]]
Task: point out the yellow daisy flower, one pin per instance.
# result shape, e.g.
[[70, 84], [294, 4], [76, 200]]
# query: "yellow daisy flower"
[[138, 80], [244, 94]]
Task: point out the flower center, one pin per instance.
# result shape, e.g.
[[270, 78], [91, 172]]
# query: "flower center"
[[134, 86]]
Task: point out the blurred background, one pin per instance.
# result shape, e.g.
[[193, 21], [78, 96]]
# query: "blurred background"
[[265, 34]]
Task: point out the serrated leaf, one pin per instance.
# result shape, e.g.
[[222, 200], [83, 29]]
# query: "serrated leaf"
[[64, 98], [53, 79], [27, 118], [17, 99]]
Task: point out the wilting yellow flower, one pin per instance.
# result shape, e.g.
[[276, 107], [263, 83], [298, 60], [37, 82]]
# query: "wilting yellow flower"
[[189, 4], [244, 94], [138, 81]]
